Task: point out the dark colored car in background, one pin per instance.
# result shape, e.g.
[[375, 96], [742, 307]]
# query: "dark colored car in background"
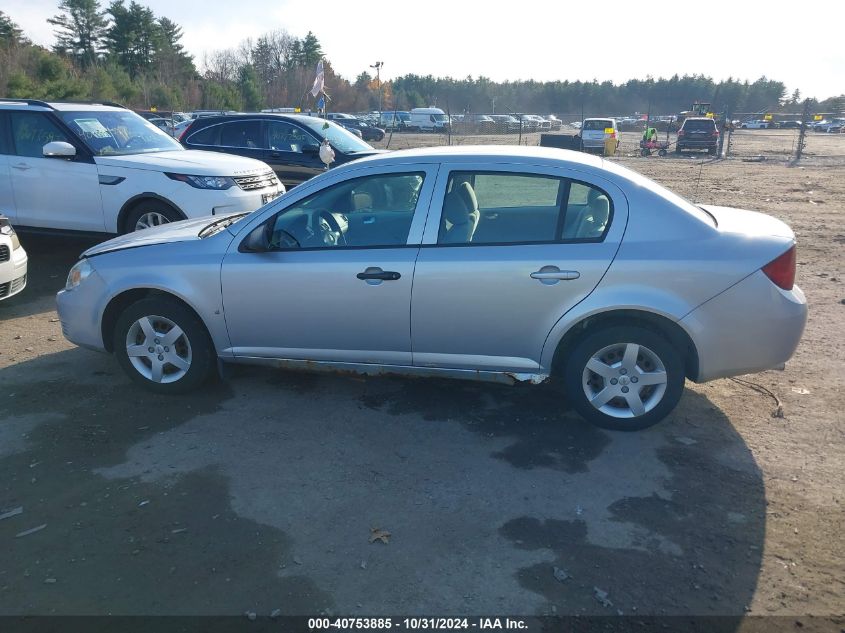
[[289, 143], [698, 133], [368, 132]]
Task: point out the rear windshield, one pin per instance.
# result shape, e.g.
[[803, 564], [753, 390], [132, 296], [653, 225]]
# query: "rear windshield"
[[597, 124], [699, 124]]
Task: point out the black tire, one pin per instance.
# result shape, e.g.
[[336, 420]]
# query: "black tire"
[[662, 152], [200, 348], [575, 364], [711, 151], [645, 152], [679, 149], [150, 207]]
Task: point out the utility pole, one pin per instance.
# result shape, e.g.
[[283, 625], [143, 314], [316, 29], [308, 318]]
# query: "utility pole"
[[378, 66], [803, 131]]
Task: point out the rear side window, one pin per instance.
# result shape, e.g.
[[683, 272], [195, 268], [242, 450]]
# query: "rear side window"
[[507, 208], [242, 134], [206, 136], [597, 124]]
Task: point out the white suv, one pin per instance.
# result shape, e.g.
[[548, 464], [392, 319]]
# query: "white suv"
[[102, 168], [12, 261]]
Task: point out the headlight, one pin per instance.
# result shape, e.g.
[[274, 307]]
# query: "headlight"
[[6, 229], [78, 274], [204, 182]]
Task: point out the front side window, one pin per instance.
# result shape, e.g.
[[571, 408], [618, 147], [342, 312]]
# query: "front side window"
[[31, 131], [285, 137], [373, 211], [118, 132], [489, 208], [339, 137]]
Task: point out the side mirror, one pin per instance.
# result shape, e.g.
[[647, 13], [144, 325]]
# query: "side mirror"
[[58, 149], [258, 240], [310, 149]]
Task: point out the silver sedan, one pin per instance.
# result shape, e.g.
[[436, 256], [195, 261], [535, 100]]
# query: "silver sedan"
[[496, 263]]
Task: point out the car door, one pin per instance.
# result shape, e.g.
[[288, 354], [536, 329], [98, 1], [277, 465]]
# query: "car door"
[[7, 198], [335, 283], [292, 152], [58, 193], [505, 255]]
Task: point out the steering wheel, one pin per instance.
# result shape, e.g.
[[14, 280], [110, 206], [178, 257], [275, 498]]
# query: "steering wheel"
[[330, 230], [132, 139]]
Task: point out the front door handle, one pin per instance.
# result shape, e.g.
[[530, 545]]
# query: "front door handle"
[[550, 275], [21, 166], [375, 275]]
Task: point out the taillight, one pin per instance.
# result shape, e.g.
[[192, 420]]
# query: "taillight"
[[715, 133], [782, 270], [185, 131], [681, 133]]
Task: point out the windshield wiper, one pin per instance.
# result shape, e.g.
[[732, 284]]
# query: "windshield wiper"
[[219, 225]]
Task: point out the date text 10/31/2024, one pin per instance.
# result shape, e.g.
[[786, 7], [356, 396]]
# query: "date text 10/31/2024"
[[419, 623]]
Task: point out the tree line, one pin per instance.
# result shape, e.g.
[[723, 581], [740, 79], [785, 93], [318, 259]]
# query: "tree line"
[[124, 52]]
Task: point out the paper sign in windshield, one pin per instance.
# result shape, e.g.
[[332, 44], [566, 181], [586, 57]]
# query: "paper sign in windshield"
[[93, 127]]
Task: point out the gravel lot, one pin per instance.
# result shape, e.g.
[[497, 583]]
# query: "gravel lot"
[[261, 493]]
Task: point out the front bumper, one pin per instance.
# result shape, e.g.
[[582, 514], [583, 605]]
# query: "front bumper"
[[13, 272], [80, 312], [751, 327]]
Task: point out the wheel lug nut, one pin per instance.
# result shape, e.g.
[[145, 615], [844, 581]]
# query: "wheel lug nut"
[[167, 349], [624, 389], [151, 349], [633, 378], [622, 371], [160, 357], [157, 341], [613, 381]]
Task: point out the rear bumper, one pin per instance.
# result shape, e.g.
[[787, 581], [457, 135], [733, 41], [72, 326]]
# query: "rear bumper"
[[698, 144], [750, 327]]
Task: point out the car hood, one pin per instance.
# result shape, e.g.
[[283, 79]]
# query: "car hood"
[[183, 231], [192, 162], [751, 223]]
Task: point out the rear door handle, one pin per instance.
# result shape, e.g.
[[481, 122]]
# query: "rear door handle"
[[550, 275], [21, 166]]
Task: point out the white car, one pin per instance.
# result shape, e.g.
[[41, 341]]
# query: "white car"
[[757, 124], [12, 261], [100, 168], [594, 133]]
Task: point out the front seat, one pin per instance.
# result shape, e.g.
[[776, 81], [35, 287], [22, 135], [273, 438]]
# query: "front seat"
[[594, 218], [460, 215]]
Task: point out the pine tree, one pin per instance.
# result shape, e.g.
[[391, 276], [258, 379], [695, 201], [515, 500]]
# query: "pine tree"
[[80, 26]]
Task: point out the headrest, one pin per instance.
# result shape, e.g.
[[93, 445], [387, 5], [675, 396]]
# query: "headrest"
[[459, 204]]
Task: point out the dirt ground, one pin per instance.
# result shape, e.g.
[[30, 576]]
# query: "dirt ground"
[[261, 493]]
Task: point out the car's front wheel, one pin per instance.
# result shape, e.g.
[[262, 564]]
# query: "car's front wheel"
[[624, 378], [163, 346], [150, 213]]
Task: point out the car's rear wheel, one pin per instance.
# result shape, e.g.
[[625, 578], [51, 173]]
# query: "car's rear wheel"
[[624, 378], [163, 346], [149, 213]]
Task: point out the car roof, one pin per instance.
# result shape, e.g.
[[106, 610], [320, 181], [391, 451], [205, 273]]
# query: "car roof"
[[63, 106], [487, 153]]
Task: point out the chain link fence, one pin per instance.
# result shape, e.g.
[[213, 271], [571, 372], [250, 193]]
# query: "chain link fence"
[[744, 137]]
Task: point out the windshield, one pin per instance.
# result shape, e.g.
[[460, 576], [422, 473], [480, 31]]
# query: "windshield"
[[439, 117], [118, 132], [339, 137]]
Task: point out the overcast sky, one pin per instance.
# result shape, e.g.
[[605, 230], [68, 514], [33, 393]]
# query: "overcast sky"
[[530, 39]]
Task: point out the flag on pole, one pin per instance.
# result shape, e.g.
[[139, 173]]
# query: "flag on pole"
[[319, 80]]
